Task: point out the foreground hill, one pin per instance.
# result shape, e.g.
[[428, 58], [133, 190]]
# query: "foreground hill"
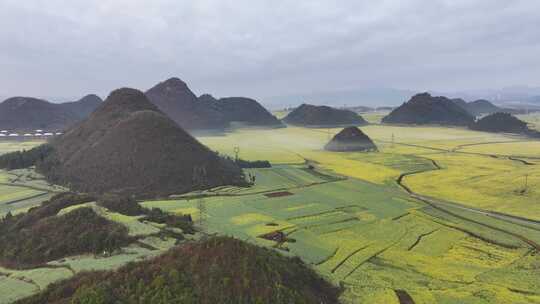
[[28, 114], [310, 115], [174, 98], [426, 109], [350, 139], [218, 270], [128, 146]]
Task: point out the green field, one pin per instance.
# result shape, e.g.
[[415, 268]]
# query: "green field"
[[352, 221], [475, 167], [374, 239]]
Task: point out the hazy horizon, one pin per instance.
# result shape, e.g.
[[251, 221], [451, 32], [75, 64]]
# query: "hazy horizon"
[[261, 49]]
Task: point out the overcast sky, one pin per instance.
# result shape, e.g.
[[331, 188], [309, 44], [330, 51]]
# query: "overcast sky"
[[266, 48]]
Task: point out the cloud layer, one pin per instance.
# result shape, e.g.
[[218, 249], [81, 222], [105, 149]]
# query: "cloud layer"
[[266, 48]]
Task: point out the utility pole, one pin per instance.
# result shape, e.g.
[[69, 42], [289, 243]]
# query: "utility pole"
[[199, 181], [392, 140]]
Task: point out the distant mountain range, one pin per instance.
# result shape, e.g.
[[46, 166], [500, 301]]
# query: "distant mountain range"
[[27, 113], [373, 97], [513, 97]]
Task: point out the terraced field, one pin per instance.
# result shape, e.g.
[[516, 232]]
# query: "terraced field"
[[375, 240], [23, 189]]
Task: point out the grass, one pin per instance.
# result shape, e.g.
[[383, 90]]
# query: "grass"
[[13, 289], [533, 119], [7, 146], [135, 227]]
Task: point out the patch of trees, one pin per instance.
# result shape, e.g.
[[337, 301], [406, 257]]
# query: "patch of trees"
[[246, 164], [48, 208], [218, 270], [25, 158], [159, 216], [49, 238], [121, 204], [129, 206]]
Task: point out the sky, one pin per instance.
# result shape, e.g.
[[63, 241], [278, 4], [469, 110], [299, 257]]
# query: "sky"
[[68, 48]]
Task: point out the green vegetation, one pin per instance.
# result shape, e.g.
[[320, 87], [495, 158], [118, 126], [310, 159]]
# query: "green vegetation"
[[374, 239], [346, 217], [40, 236], [25, 159], [227, 271]]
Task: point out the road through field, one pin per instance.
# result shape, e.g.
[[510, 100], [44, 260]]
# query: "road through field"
[[438, 204]]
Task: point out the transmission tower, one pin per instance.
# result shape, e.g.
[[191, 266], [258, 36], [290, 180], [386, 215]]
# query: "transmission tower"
[[199, 181], [236, 152]]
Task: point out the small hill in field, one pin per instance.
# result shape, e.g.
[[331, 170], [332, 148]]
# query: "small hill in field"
[[501, 123], [128, 146], [477, 107], [481, 107], [310, 115], [350, 139], [241, 109], [218, 270], [29, 114], [425, 109]]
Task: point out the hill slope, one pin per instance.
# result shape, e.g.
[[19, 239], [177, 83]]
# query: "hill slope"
[[218, 270], [310, 115], [425, 109], [128, 146], [350, 139]]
